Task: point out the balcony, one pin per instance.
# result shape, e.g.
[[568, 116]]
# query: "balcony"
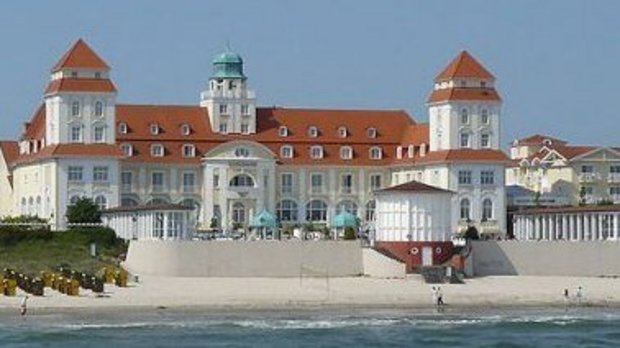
[[228, 94], [589, 177], [613, 178]]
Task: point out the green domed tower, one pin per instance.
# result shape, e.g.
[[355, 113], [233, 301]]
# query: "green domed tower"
[[231, 105]]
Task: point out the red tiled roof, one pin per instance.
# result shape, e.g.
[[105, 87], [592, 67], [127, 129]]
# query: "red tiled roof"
[[416, 134], [35, 128], [537, 139], [70, 150], [10, 151], [463, 93], [414, 186], [571, 151], [80, 55], [80, 85], [464, 65], [468, 155]]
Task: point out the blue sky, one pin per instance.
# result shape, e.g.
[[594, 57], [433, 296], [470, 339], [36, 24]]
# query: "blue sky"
[[557, 62]]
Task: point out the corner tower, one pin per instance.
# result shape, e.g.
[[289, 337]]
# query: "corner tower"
[[231, 105], [464, 107], [80, 99]]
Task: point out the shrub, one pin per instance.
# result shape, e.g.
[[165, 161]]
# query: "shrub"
[[84, 211], [11, 235], [349, 233]]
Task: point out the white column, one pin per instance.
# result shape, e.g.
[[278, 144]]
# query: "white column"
[[616, 226], [537, 227], [572, 227], [554, 227], [596, 235], [564, 227], [599, 217]]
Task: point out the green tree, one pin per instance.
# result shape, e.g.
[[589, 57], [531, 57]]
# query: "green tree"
[[84, 211]]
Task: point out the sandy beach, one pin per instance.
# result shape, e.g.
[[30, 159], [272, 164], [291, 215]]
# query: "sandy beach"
[[280, 293]]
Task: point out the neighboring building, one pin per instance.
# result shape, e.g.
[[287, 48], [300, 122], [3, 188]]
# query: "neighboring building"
[[558, 173], [151, 222], [230, 159]]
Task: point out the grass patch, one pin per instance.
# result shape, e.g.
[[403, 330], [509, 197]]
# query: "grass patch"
[[31, 252]]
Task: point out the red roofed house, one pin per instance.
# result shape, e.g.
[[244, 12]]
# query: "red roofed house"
[[562, 173], [231, 159]]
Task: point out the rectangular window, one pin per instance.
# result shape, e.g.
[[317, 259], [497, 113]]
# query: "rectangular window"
[[464, 177], [157, 182], [223, 127], [100, 174], [375, 182], [317, 183], [126, 179], [76, 134], [286, 183], [245, 110], [615, 169], [464, 139], [245, 128], [157, 150], [75, 173], [216, 180], [223, 108], [587, 168], [484, 140], [189, 182], [614, 191], [346, 183], [99, 134], [487, 177]]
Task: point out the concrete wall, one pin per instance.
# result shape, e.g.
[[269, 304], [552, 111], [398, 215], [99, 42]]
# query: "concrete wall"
[[377, 265], [244, 259], [555, 258]]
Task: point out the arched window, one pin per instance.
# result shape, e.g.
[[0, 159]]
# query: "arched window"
[[74, 199], [465, 209], [238, 213], [464, 116], [343, 132], [242, 180], [372, 132], [24, 206], [75, 108], [371, 206], [242, 152], [98, 109], [487, 209], [185, 129], [286, 210], [101, 202], [128, 202], [316, 210], [38, 206], [30, 206], [158, 201], [348, 206]]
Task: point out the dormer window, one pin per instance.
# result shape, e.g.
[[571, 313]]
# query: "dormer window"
[[97, 75], [313, 132], [157, 150], [154, 128], [343, 132], [375, 153], [372, 132], [346, 153], [399, 152], [463, 83], [286, 151], [189, 150], [483, 84], [283, 131], [122, 128], [316, 152], [127, 150], [185, 129], [75, 108], [411, 151], [98, 109], [74, 74], [422, 149]]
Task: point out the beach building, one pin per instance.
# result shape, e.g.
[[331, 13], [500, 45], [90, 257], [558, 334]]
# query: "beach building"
[[229, 159], [548, 171]]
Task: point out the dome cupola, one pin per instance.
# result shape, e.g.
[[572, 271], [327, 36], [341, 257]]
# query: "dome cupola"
[[228, 65]]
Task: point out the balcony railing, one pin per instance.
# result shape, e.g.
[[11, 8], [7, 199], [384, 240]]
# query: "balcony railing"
[[613, 178], [228, 94], [589, 177]]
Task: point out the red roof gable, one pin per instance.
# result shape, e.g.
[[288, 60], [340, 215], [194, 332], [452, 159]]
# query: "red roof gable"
[[80, 85], [70, 150], [10, 151], [537, 139], [464, 93], [35, 128], [80, 55], [465, 155], [464, 65]]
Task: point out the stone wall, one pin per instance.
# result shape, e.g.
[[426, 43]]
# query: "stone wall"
[[544, 258], [245, 259], [377, 265]]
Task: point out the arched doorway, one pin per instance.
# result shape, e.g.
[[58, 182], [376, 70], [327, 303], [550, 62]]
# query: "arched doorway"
[[238, 213]]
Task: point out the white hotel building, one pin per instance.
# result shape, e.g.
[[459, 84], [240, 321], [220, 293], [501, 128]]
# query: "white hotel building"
[[230, 158]]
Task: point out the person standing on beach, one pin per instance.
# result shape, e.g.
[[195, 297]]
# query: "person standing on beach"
[[23, 307], [566, 298], [439, 296], [434, 294], [579, 295]]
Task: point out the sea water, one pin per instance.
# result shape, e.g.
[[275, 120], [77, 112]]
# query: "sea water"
[[576, 327]]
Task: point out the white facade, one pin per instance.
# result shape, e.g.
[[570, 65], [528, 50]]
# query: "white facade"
[[413, 216]]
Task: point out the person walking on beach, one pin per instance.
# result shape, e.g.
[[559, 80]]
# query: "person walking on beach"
[[566, 298], [434, 294], [439, 296], [23, 307]]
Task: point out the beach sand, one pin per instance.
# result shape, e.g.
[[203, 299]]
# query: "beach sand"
[[286, 293]]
